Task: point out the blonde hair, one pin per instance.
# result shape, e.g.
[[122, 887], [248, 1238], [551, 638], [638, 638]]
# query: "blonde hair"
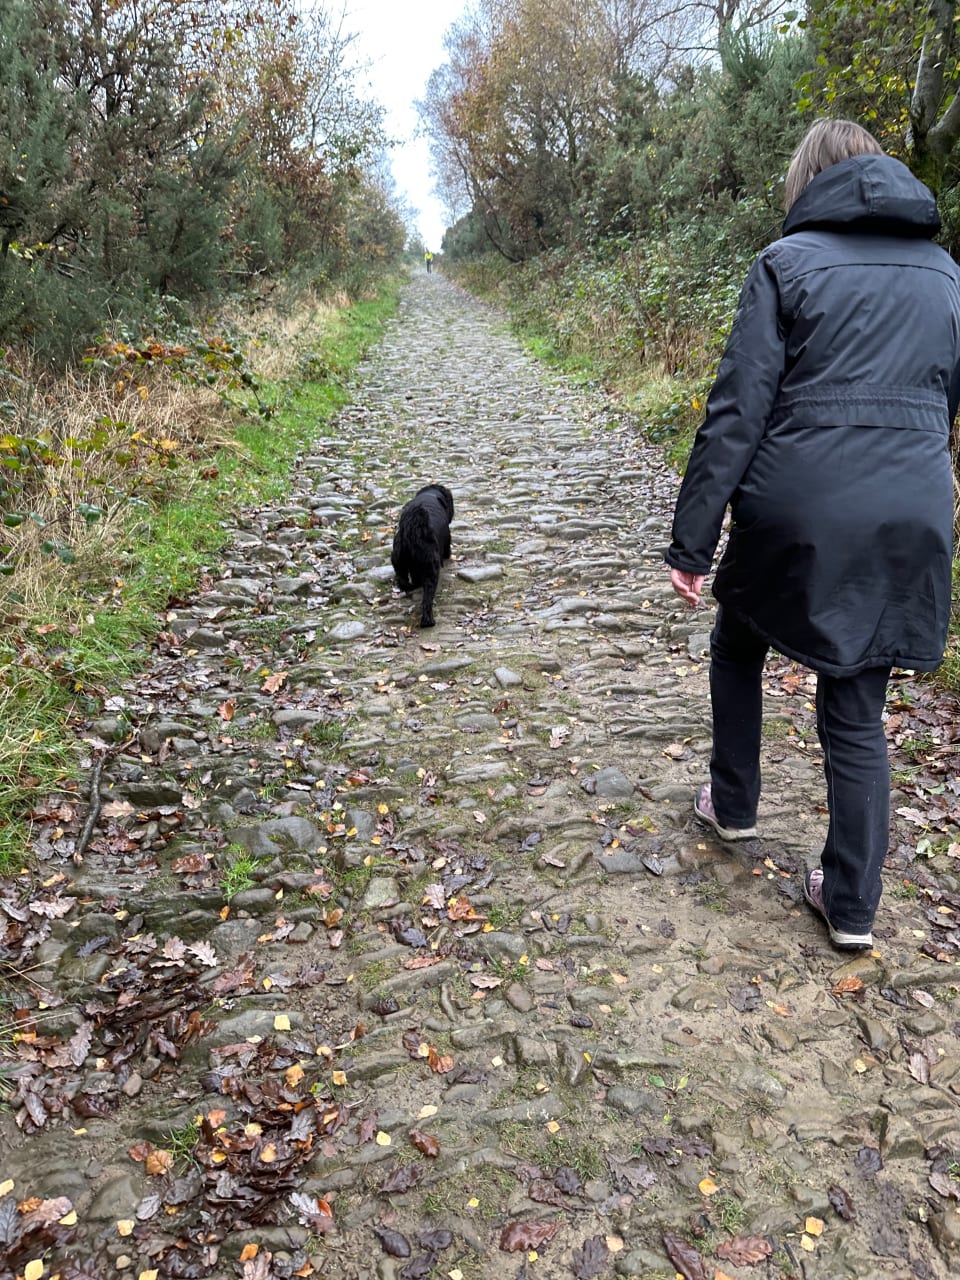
[[824, 144]]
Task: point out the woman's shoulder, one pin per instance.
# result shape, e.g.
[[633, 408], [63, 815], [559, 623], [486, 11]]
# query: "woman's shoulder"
[[817, 247]]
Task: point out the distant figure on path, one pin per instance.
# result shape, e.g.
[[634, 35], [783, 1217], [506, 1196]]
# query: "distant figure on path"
[[827, 434], [428, 259]]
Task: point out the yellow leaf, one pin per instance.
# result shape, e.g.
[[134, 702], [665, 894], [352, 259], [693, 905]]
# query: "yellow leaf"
[[249, 1251], [614, 1243], [708, 1187], [125, 1226], [269, 1153], [532, 1256], [425, 1112], [69, 1219], [6, 1186], [293, 1075], [281, 1022], [814, 1226], [339, 1078], [168, 445], [806, 1242], [473, 1202], [383, 809], [253, 1130], [148, 1275], [553, 1126], [33, 1270], [383, 1139]]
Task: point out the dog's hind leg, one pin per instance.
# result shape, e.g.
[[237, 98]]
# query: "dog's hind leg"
[[429, 591]]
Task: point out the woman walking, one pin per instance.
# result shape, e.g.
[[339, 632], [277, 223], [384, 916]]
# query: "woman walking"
[[827, 433]]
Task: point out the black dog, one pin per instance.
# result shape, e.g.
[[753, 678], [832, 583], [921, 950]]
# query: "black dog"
[[422, 543]]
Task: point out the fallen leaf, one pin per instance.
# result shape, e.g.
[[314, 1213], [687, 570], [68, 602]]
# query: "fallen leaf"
[[685, 1258], [249, 1251], [517, 1236], [707, 1187], [744, 1251], [272, 683], [383, 1139], [846, 986], [394, 1244], [591, 1259], [226, 709], [425, 1143], [159, 1162], [841, 1203], [281, 1022], [33, 1270], [403, 1178], [125, 1226]]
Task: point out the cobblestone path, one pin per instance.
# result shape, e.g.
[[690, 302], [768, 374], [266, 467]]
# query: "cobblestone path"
[[420, 922]]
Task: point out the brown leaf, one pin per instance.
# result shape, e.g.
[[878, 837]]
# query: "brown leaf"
[[226, 709], [272, 683], [159, 1162], [684, 1257], [367, 1128], [841, 1202], [43, 1213], [945, 1185], [517, 1236], [485, 981], [591, 1259], [441, 1063], [394, 1244], [744, 1251], [425, 1143], [462, 909], [544, 1192], [919, 1068], [79, 1044], [403, 1178], [848, 985]]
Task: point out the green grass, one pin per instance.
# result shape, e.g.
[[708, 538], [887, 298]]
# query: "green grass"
[[238, 873], [182, 1143], [113, 601]]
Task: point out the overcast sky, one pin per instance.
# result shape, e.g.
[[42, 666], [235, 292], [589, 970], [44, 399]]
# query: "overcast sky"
[[403, 41]]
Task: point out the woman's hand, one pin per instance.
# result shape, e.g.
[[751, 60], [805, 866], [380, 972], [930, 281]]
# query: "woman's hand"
[[687, 585]]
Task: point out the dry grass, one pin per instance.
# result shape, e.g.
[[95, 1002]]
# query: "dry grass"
[[276, 334]]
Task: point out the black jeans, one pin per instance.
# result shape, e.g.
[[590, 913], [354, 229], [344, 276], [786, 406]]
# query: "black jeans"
[[855, 763]]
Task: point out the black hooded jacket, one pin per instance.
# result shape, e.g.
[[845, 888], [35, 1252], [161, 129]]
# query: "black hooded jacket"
[[827, 431]]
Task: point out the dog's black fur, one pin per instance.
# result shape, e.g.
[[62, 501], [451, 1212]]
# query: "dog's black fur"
[[422, 543]]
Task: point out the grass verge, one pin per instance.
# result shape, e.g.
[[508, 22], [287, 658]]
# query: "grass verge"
[[74, 628]]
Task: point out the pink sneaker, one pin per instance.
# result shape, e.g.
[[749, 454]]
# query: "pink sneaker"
[[703, 808], [813, 892]]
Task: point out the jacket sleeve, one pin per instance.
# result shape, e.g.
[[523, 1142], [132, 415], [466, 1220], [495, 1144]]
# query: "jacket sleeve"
[[738, 408]]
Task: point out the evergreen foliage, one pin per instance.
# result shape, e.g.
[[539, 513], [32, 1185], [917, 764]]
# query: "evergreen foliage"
[[168, 148]]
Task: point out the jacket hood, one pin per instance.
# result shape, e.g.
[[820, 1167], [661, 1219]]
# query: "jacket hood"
[[872, 193]]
